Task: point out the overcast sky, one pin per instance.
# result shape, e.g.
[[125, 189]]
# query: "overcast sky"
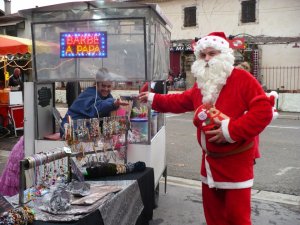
[[26, 4]]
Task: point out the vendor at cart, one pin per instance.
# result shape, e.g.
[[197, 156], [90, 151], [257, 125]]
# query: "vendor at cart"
[[94, 102], [15, 80]]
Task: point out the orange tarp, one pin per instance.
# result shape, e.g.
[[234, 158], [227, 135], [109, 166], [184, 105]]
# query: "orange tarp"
[[14, 45]]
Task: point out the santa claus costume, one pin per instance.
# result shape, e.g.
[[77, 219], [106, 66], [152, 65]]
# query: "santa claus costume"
[[236, 99]]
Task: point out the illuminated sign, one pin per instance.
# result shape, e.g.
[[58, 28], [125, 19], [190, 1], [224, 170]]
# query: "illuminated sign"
[[83, 45]]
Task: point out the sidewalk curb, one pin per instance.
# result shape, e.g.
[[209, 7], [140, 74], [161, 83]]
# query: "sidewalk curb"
[[256, 194], [290, 117], [277, 197]]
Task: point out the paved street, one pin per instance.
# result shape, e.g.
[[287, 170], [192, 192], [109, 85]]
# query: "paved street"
[[182, 205]]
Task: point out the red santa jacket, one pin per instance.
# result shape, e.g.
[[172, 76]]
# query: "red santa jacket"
[[241, 99]]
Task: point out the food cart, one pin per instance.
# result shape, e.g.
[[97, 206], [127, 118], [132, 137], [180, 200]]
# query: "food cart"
[[11, 98], [11, 110], [130, 40]]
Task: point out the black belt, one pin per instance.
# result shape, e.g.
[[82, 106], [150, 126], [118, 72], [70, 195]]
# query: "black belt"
[[233, 152]]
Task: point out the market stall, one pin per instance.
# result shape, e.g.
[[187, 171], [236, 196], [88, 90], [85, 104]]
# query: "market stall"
[[130, 42], [16, 52]]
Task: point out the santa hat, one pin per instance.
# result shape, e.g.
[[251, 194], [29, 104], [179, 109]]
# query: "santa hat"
[[216, 40]]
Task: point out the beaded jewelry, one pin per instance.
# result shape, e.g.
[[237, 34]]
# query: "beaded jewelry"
[[80, 131], [105, 127], [94, 128], [18, 216], [110, 127]]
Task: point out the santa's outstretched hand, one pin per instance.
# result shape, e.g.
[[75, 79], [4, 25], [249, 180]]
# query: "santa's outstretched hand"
[[217, 134], [143, 97], [118, 102]]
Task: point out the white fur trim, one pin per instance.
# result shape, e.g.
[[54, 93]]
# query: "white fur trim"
[[224, 127], [229, 185], [152, 84], [210, 180], [151, 97], [273, 93], [275, 114]]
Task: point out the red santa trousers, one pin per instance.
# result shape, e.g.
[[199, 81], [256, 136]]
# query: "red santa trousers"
[[226, 206]]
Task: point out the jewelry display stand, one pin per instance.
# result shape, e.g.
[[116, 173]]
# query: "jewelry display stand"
[[84, 132], [99, 135], [38, 160]]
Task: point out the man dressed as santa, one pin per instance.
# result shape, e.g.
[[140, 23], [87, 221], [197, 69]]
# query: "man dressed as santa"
[[231, 110]]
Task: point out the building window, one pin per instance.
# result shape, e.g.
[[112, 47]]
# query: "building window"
[[12, 31], [190, 16], [248, 11], [2, 30]]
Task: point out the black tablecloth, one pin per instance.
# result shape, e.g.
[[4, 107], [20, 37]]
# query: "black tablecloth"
[[145, 181]]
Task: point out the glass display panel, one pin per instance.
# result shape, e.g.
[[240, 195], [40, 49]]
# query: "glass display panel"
[[125, 59], [161, 53]]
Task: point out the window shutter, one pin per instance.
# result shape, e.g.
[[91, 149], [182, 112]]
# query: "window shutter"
[[248, 11], [190, 16]]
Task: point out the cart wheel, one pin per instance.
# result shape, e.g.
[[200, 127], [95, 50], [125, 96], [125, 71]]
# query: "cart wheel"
[[11, 128], [3, 130], [156, 196]]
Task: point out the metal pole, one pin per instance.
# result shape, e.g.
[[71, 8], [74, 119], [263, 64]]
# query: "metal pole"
[[69, 169], [277, 99], [22, 182]]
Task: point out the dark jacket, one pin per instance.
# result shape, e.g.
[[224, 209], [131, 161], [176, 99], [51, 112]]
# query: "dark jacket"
[[15, 81], [73, 90]]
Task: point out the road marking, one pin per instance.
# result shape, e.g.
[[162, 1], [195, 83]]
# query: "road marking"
[[172, 115], [281, 127], [177, 164], [168, 115], [286, 169]]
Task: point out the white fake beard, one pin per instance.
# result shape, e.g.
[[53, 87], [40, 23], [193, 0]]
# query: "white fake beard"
[[212, 76]]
